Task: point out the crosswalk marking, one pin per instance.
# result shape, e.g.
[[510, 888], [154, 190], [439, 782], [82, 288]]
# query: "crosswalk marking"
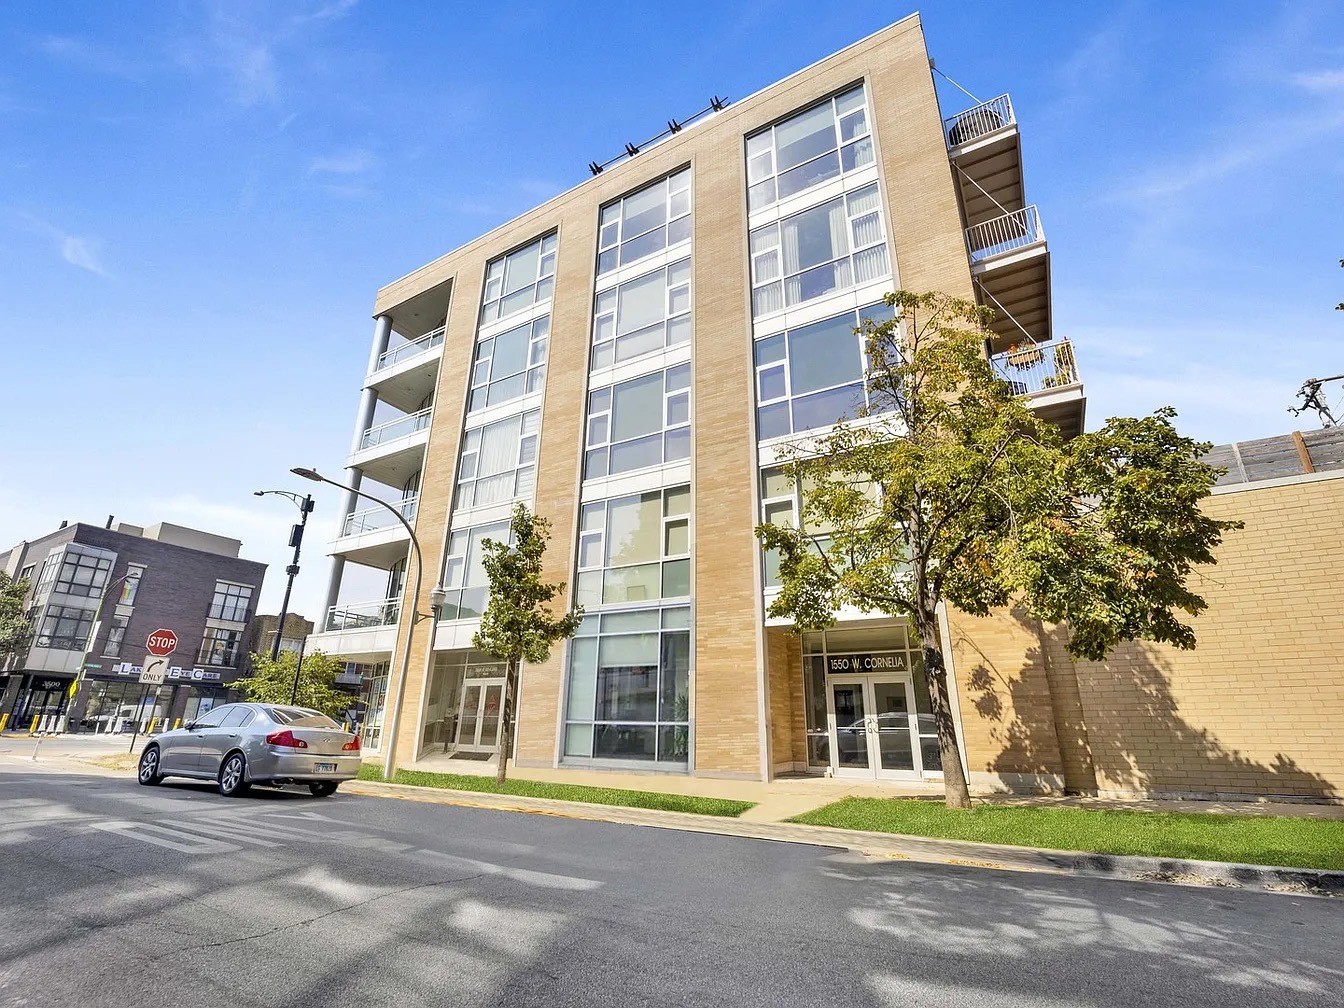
[[161, 836]]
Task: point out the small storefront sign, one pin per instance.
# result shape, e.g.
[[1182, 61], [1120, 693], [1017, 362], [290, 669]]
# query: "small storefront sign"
[[174, 674], [865, 664]]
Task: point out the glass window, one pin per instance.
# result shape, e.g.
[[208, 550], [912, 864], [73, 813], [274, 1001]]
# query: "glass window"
[[827, 248], [116, 636], [628, 694], [639, 423], [214, 718], [635, 548], [498, 461], [519, 280], [464, 573], [230, 602], [509, 365], [647, 221], [83, 573], [642, 315], [65, 628], [220, 647], [238, 715], [811, 376], [131, 585], [819, 143]]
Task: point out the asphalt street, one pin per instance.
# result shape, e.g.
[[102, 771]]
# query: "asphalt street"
[[117, 894]]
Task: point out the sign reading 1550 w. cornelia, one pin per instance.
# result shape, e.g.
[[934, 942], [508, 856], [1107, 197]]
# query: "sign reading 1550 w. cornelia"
[[891, 662]]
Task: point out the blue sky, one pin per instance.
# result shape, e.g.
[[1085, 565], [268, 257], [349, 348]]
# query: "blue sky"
[[198, 201]]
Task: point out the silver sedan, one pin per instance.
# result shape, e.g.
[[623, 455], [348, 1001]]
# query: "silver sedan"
[[242, 744]]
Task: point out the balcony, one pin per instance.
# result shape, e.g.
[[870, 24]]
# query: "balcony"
[[362, 615], [359, 630], [1046, 374], [985, 150], [1010, 264], [405, 375], [393, 452], [373, 538]]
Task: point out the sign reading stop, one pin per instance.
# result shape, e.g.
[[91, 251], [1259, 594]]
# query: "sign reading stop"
[[161, 643]]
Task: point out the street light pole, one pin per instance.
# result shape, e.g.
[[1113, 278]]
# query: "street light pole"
[[305, 505], [436, 600]]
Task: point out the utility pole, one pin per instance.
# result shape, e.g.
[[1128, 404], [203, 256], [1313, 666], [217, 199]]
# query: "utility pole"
[[305, 505]]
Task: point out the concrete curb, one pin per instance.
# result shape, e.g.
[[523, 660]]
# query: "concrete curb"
[[1256, 878]]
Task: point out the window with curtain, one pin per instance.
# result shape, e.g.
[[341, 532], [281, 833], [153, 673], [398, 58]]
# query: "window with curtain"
[[810, 376], [498, 462], [464, 572], [827, 248], [820, 143], [642, 315]]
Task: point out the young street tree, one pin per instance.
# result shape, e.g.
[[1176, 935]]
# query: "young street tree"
[[949, 490], [272, 682], [518, 625], [14, 629]]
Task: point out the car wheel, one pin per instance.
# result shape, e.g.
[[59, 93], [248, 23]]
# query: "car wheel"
[[233, 776], [322, 789], [148, 771]]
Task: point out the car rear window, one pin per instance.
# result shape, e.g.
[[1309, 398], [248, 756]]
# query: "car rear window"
[[300, 718]]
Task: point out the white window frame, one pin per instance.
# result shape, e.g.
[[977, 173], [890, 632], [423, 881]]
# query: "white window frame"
[[590, 578], [675, 323], [762, 149], [676, 390], [482, 377], [542, 286], [611, 236], [525, 461]]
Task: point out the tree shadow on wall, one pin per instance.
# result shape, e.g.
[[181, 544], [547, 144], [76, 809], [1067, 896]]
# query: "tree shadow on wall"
[[1118, 723]]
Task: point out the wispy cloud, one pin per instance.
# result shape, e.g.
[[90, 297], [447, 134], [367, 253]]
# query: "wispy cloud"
[[77, 250], [1320, 80], [353, 162]]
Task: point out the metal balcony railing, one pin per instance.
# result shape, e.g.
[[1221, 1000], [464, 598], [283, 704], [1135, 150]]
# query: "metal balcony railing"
[[976, 122], [1015, 230], [408, 350], [363, 615], [394, 429], [375, 518], [1036, 367]]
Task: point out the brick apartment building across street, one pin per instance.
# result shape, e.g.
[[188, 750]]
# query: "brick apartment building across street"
[[628, 358], [96, 594]]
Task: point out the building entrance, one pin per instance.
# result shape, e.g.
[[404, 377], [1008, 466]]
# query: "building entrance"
[[478, 714], [877, 730], [41, 705]]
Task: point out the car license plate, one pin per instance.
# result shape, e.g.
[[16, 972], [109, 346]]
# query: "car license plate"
[[324, 768]]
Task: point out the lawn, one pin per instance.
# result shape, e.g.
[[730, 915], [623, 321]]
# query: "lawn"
[[1267, 840], [564, 792]]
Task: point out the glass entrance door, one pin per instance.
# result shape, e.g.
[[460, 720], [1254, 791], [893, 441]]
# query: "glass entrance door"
[[478, 715], [873, 733]]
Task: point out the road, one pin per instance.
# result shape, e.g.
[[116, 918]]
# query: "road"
[[117, 894]]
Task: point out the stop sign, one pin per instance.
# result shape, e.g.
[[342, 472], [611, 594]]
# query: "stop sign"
[[161, 643]]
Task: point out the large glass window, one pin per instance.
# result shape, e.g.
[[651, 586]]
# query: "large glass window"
[[635, 548], [643, 422], [519, 280], [463, 572], [813, 375], [116, 636], [65, 628], [629, 686], [781, 503], [642, 315], [230, 602], [819, 143], [499, 461], [84, 572], [220, 647], [827, 248], [509, 365], [647, 221]]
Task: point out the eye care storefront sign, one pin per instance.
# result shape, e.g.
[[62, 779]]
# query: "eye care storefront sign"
[[850, 664]]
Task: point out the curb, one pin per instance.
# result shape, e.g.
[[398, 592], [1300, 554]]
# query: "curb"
[[965, 853]]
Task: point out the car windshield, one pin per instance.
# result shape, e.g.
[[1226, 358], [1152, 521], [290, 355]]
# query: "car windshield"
[[300, 718]]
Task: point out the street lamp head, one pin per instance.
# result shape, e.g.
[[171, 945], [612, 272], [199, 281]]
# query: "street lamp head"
[[437, 597], [258, 493], [308, 474]]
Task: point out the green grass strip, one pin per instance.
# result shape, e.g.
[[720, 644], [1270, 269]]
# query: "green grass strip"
[[1266, 840], [564, 792]]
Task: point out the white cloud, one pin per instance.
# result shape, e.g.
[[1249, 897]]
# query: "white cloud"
[[354, 162], [82, 252], [1320, 80]]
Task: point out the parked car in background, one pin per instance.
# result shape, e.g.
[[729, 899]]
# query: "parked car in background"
[[242, 744]]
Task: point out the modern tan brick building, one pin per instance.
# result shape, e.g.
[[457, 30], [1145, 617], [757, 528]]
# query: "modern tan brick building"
[[627, 358]]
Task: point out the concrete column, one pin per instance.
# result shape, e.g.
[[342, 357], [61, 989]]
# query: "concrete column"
[[368, 402]]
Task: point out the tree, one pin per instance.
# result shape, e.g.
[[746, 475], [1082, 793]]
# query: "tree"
[[14, 629], [948, 489], [518, 625], [273, 681]]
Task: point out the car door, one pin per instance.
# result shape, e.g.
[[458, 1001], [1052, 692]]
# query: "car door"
[[218, 740], [181, 751]]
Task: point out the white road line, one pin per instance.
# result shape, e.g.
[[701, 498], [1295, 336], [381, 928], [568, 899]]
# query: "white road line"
[[160, 836]]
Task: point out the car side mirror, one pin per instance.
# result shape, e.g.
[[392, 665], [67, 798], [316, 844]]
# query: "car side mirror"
[[189, 726]]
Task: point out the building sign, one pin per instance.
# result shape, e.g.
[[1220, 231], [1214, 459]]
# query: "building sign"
[[863, 664], [175, 674]]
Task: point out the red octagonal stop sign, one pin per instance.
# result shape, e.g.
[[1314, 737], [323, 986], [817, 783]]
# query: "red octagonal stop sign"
[[161, 643]]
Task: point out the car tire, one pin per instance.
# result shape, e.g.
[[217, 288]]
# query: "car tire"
[[233, 776], [147, 772], [322, 789]]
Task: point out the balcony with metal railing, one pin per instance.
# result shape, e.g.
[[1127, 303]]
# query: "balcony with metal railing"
[[392, 452], [1010, 232], [362, 615], [986, 153], [372, 537], [1046, 374], [410, 349], [394, 430], [405, 375], [976, 124], [376, 519]]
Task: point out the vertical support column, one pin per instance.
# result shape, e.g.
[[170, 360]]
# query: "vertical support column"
[[368, 402]]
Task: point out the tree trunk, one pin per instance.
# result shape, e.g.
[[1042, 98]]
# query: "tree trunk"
[[505, 738], [955, 791]]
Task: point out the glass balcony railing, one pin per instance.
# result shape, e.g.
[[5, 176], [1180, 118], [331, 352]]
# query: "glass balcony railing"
[[363, 615], [411, 349], [394, 429], [375, 518], [1037, 367]]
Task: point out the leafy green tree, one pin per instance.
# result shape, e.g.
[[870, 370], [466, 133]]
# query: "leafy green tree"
[[950, 490], [273, 681], [518, 624], [15, 632]]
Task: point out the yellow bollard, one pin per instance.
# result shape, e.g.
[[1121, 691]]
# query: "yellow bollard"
[[177, 724], [4, 720], [32, 728], [152, 722]]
